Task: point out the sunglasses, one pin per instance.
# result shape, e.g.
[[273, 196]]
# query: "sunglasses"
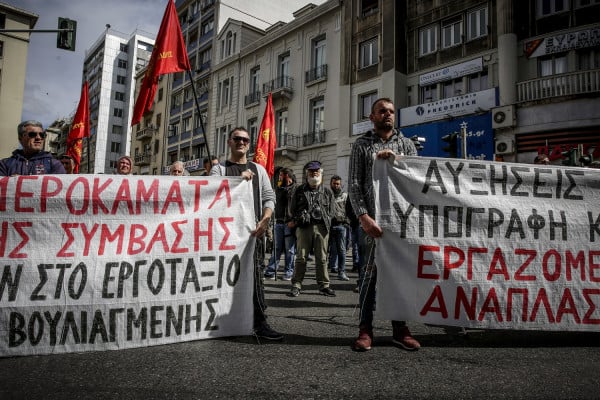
[[32, 134], [242, 139]]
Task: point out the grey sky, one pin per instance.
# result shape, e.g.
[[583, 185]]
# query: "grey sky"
[[54, 76]]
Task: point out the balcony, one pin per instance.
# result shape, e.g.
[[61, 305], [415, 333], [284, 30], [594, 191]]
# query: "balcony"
[[312, 138], [142, 159], [316, 74], [280, 87], [288, 146], [252, 99], [146, 133], [570, 84]]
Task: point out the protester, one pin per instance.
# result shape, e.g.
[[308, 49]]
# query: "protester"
[[339, 230], [68, 162], [541, 159], [178, 169], [124, 164], [264, 202], [311, 208], [31, 159], [284, 236], [384, 141], [208, 164]]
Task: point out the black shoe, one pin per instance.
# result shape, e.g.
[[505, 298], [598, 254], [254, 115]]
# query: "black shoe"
[[327, 291], [264, 331], [295, 292]]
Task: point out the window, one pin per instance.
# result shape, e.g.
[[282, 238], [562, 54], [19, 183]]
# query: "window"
[[120, 96], [1, 48], [451, 33], [122, 64], [428, 40], [588, 59], [222, 137], [284, 66], [553, 65], [281, 122], [478, 82], [118, 112], [176, 100], [366, 101], [319, 52], [160, 94], [429, 93], [549, 7], [368, 53], [207, 26], [117, 129], [253, 131], [585, 3], [187, 124], [121, 79], [224, 93], [2, 21], [124, 48], [453, 88], [187, 94], [115, 147], [205, 56], [477, 23], [368, 7], [317, 114], [254, 80], [158, 120], [229, 44]]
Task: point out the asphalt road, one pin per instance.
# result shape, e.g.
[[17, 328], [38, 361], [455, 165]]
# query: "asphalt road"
[[315, 361]]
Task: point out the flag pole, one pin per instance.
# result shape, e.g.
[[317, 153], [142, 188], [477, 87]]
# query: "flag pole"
[[189, 71]]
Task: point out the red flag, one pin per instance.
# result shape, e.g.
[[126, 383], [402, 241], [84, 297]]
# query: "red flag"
[[169, 55], [80, 128], [267, 141]]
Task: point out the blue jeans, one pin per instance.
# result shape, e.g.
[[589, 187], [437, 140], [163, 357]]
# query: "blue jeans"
[[337, 246], [284, 241]]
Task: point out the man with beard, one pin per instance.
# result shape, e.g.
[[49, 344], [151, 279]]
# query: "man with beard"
[[312, 207], [383, 141], [339, 230]]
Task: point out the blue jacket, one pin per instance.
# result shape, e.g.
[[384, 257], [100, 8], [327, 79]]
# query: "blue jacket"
[[38, 164]]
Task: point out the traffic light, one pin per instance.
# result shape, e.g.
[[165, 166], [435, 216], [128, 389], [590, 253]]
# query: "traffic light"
[[452, 146], [65, 38], [418, 141]]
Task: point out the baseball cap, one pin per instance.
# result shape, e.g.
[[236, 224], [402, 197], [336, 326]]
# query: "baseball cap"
[[313, 165]]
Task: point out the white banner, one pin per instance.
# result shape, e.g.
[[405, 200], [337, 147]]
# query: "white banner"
[[100, 262], [488, 245]]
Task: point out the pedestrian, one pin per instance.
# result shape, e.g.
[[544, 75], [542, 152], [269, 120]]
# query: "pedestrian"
[[383, 142], [124, 164], [178, 169], [284, 235], [264, 202], [312, 207], [31, 158], [541, 159], [208, 164], [339, 230], [68, 162]]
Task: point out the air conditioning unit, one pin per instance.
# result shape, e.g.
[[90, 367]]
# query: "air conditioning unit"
[[504, 146], [503, 117]]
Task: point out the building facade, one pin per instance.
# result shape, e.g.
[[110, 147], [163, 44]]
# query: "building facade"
[[110, 67], [13, 59]]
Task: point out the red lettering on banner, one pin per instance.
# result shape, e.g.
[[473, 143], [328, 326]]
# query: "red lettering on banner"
[[97, 196], [531, 256], [524, 304], [207, 233], [3, 190], [567, 306], [551, 277], [19, 228], [223, 222], [137, 232], [143, 196], [84, 197], [46, 193], [461, 299], [594, 266], [174, 196], [448, 265], [123, 195], [158, 237], [437, 297], [498, 259], [20, 194], [587, 318], [107, 236], [222, 190], [541, 299], [178, 236], [70, 239], [577, 262], [88, 237], [422, 262], [197, 193]]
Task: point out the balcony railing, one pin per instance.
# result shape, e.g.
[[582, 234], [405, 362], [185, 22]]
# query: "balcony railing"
[[252, 98], [282, 86], [146, 133], [143, 159], [316, 137], [559, 85], [316, 73]]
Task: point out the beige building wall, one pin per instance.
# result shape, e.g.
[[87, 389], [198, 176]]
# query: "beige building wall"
[[13, 62]]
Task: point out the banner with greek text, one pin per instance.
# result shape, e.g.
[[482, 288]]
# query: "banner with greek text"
[[104, 262], [488, 245]]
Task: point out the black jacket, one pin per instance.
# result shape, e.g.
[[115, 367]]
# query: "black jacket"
[[301, 208]]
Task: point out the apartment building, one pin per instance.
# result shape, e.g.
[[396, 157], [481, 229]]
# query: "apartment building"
[[110, 67], [13, 59]]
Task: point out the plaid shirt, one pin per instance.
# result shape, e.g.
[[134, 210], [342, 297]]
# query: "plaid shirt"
[[361, 164]]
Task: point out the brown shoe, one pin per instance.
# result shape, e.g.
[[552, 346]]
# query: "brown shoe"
[[364, 340], [403, 338]]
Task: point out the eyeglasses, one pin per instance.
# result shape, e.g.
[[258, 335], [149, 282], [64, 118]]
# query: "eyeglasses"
[[33, 134], [242, 139]]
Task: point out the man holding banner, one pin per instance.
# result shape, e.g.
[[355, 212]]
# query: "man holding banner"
[[383, 142], [264, 203]]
